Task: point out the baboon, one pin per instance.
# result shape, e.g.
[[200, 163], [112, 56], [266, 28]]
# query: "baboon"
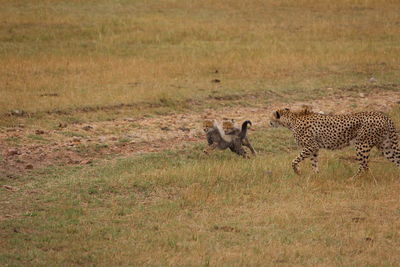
[[217, 138], [230, 129]]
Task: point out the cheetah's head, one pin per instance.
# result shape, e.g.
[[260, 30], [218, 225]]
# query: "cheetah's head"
[[280, 118], [207, 125]]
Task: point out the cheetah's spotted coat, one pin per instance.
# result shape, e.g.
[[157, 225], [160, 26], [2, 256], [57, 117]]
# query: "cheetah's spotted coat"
[[314, 131]]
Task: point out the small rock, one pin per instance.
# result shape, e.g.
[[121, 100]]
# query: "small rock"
[[113, 138], [165, 128], [102, 138], [86, 161], [18, 113], [216, 81], [268, 173], [29, 167], [184, 129], [373, 80], [87, 128], [74, 161], [9, 187], [49, 94], [12, 152], [76, 140], [12, 176], [38, 132], [362, 95], [62, 125]]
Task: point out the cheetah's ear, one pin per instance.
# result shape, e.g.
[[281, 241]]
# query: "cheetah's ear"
[[276, 114]]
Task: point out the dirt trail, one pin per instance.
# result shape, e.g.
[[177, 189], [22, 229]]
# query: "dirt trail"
[[25, 149]]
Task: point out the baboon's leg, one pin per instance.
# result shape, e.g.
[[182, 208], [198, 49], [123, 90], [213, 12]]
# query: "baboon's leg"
[[210, 148], [246, 142], [238, 148]]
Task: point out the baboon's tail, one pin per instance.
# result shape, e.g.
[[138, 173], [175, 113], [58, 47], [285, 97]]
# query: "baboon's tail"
[[243, 132]]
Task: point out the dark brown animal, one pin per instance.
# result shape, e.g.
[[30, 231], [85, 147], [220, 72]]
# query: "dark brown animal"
[[217, 138]]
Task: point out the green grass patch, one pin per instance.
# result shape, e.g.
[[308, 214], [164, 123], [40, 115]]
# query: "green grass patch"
[[179, 205]]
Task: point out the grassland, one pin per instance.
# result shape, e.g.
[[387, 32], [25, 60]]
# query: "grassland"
[[77, 62], [96, 53], [183, 208]]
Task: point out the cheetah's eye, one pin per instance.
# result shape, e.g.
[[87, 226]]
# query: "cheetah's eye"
[[277, 115]]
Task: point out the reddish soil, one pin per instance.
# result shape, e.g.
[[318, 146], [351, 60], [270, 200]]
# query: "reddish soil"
[[23, 150]]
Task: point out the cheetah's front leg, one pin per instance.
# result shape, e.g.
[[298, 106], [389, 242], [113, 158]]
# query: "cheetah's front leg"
[[305, 153], [210, 148], [314, 162]]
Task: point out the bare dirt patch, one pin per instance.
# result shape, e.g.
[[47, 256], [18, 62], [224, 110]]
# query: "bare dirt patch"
[[23, 150]]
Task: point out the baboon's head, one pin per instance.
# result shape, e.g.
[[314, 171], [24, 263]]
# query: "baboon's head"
[[207, 125], [280, 117]]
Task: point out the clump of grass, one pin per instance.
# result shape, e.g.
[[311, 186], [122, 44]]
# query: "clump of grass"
[[73, 134]]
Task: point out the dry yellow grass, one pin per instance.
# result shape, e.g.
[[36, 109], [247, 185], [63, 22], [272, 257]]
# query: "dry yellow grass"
[[182, 208], [100, 52]]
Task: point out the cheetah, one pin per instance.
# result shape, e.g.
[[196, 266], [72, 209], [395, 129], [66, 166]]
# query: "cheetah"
[[313, 131]]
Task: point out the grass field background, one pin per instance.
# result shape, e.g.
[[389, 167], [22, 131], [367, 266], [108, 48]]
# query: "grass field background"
[[180, 207], [183, 208], [94, 53]]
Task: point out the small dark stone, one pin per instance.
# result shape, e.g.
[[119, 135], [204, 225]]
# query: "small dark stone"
[[18, 113], [49, 94], [184, 129], [12, 152], [29, 167], [216, 81], [87, 128]]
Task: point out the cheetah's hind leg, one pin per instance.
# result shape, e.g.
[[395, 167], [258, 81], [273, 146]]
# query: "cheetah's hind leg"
[[390, 150], [363, 151]]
